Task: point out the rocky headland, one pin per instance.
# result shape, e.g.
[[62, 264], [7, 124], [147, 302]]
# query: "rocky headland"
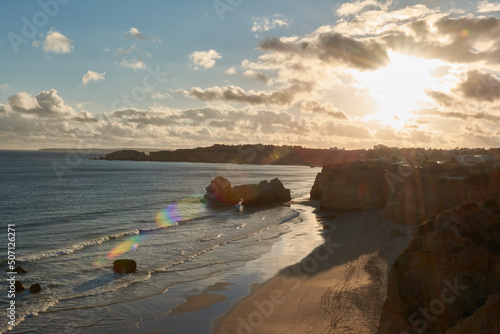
[[448, 279], [409, 195], [220, 192], [246, 154]]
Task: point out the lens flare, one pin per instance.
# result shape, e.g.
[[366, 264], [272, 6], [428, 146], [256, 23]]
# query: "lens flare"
[[185, 209], [131, 243], [465, 33]]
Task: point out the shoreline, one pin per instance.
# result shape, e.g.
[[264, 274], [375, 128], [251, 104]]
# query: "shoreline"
[[340, 286], [210, 298]]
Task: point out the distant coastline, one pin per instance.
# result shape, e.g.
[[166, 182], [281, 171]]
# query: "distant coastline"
[[260, 154]]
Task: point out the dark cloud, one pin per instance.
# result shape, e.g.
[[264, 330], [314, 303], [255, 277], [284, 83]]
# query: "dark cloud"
[[328, 109], [481, 86], [334, 48], [239, 95]]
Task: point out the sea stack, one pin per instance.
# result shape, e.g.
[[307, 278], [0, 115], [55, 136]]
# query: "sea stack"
[[124, 266]]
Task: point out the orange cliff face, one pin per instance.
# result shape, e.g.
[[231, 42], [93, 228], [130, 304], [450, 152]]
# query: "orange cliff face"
[[407, 198], [358, 186], [451, 268]]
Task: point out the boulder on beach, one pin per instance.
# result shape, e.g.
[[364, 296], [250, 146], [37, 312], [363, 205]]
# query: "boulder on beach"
[[18, 286], [220, 192], [20, 270], [34, 288], [124, 266]]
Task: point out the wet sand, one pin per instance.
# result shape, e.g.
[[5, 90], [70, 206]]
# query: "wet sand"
[[340, 287]]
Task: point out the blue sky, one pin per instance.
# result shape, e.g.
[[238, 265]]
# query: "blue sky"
[[319, 74]]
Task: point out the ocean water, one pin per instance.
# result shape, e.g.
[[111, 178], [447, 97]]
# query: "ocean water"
[[74, 216]]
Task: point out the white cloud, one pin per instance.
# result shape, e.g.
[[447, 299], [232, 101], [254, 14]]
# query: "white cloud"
[[261, 24], [351, 8], [134, 33], [92, 76], [204, 58], [46, 104], [57, 43], [5, 87], [488, 7], [230, 71], [134, 63]]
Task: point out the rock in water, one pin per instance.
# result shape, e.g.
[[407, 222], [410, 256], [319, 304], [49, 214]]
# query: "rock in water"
[[220, 192], [18, 286], [34, 288], [20, 270], [124, 266]]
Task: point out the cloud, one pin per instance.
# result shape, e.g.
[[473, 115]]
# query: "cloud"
[[134, 63], [230, 71], [56, 42], [92, 76], [315, 106], [204, 58], [457, 40], [123, 52], [488, 7], [134, 33], [481, 86], [351, 8], [5, 87], [239, 95], [45, 104], [261, 24], [333, 48], [255, 75]]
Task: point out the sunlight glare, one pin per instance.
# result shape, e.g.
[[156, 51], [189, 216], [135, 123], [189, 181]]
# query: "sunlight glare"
[[400, 87]]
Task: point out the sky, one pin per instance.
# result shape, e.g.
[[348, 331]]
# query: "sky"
[[180, 74]]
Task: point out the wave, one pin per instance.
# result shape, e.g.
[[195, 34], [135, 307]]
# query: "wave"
[[210, 238]]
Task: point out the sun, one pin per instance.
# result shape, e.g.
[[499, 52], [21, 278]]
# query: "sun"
[[400, 86]]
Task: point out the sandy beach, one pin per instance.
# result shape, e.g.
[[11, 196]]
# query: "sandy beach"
[[340, 287]]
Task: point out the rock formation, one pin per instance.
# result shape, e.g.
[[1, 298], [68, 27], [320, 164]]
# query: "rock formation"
[[20, 270], [358, 186], [417, 197], [220, 192], [124, 266], [407, 197], [448, 276], [18, 286], [34, 288]]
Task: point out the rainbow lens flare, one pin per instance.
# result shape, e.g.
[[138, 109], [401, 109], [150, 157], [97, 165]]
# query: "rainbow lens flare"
[[465, 33], [185, 209], [131, 243]]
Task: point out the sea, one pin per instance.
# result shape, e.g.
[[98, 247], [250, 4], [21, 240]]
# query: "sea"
[[74, 215]]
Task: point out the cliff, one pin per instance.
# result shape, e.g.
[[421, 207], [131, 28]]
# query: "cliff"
[[447, 278], [358, 186], [407, 197], [220, 192]]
